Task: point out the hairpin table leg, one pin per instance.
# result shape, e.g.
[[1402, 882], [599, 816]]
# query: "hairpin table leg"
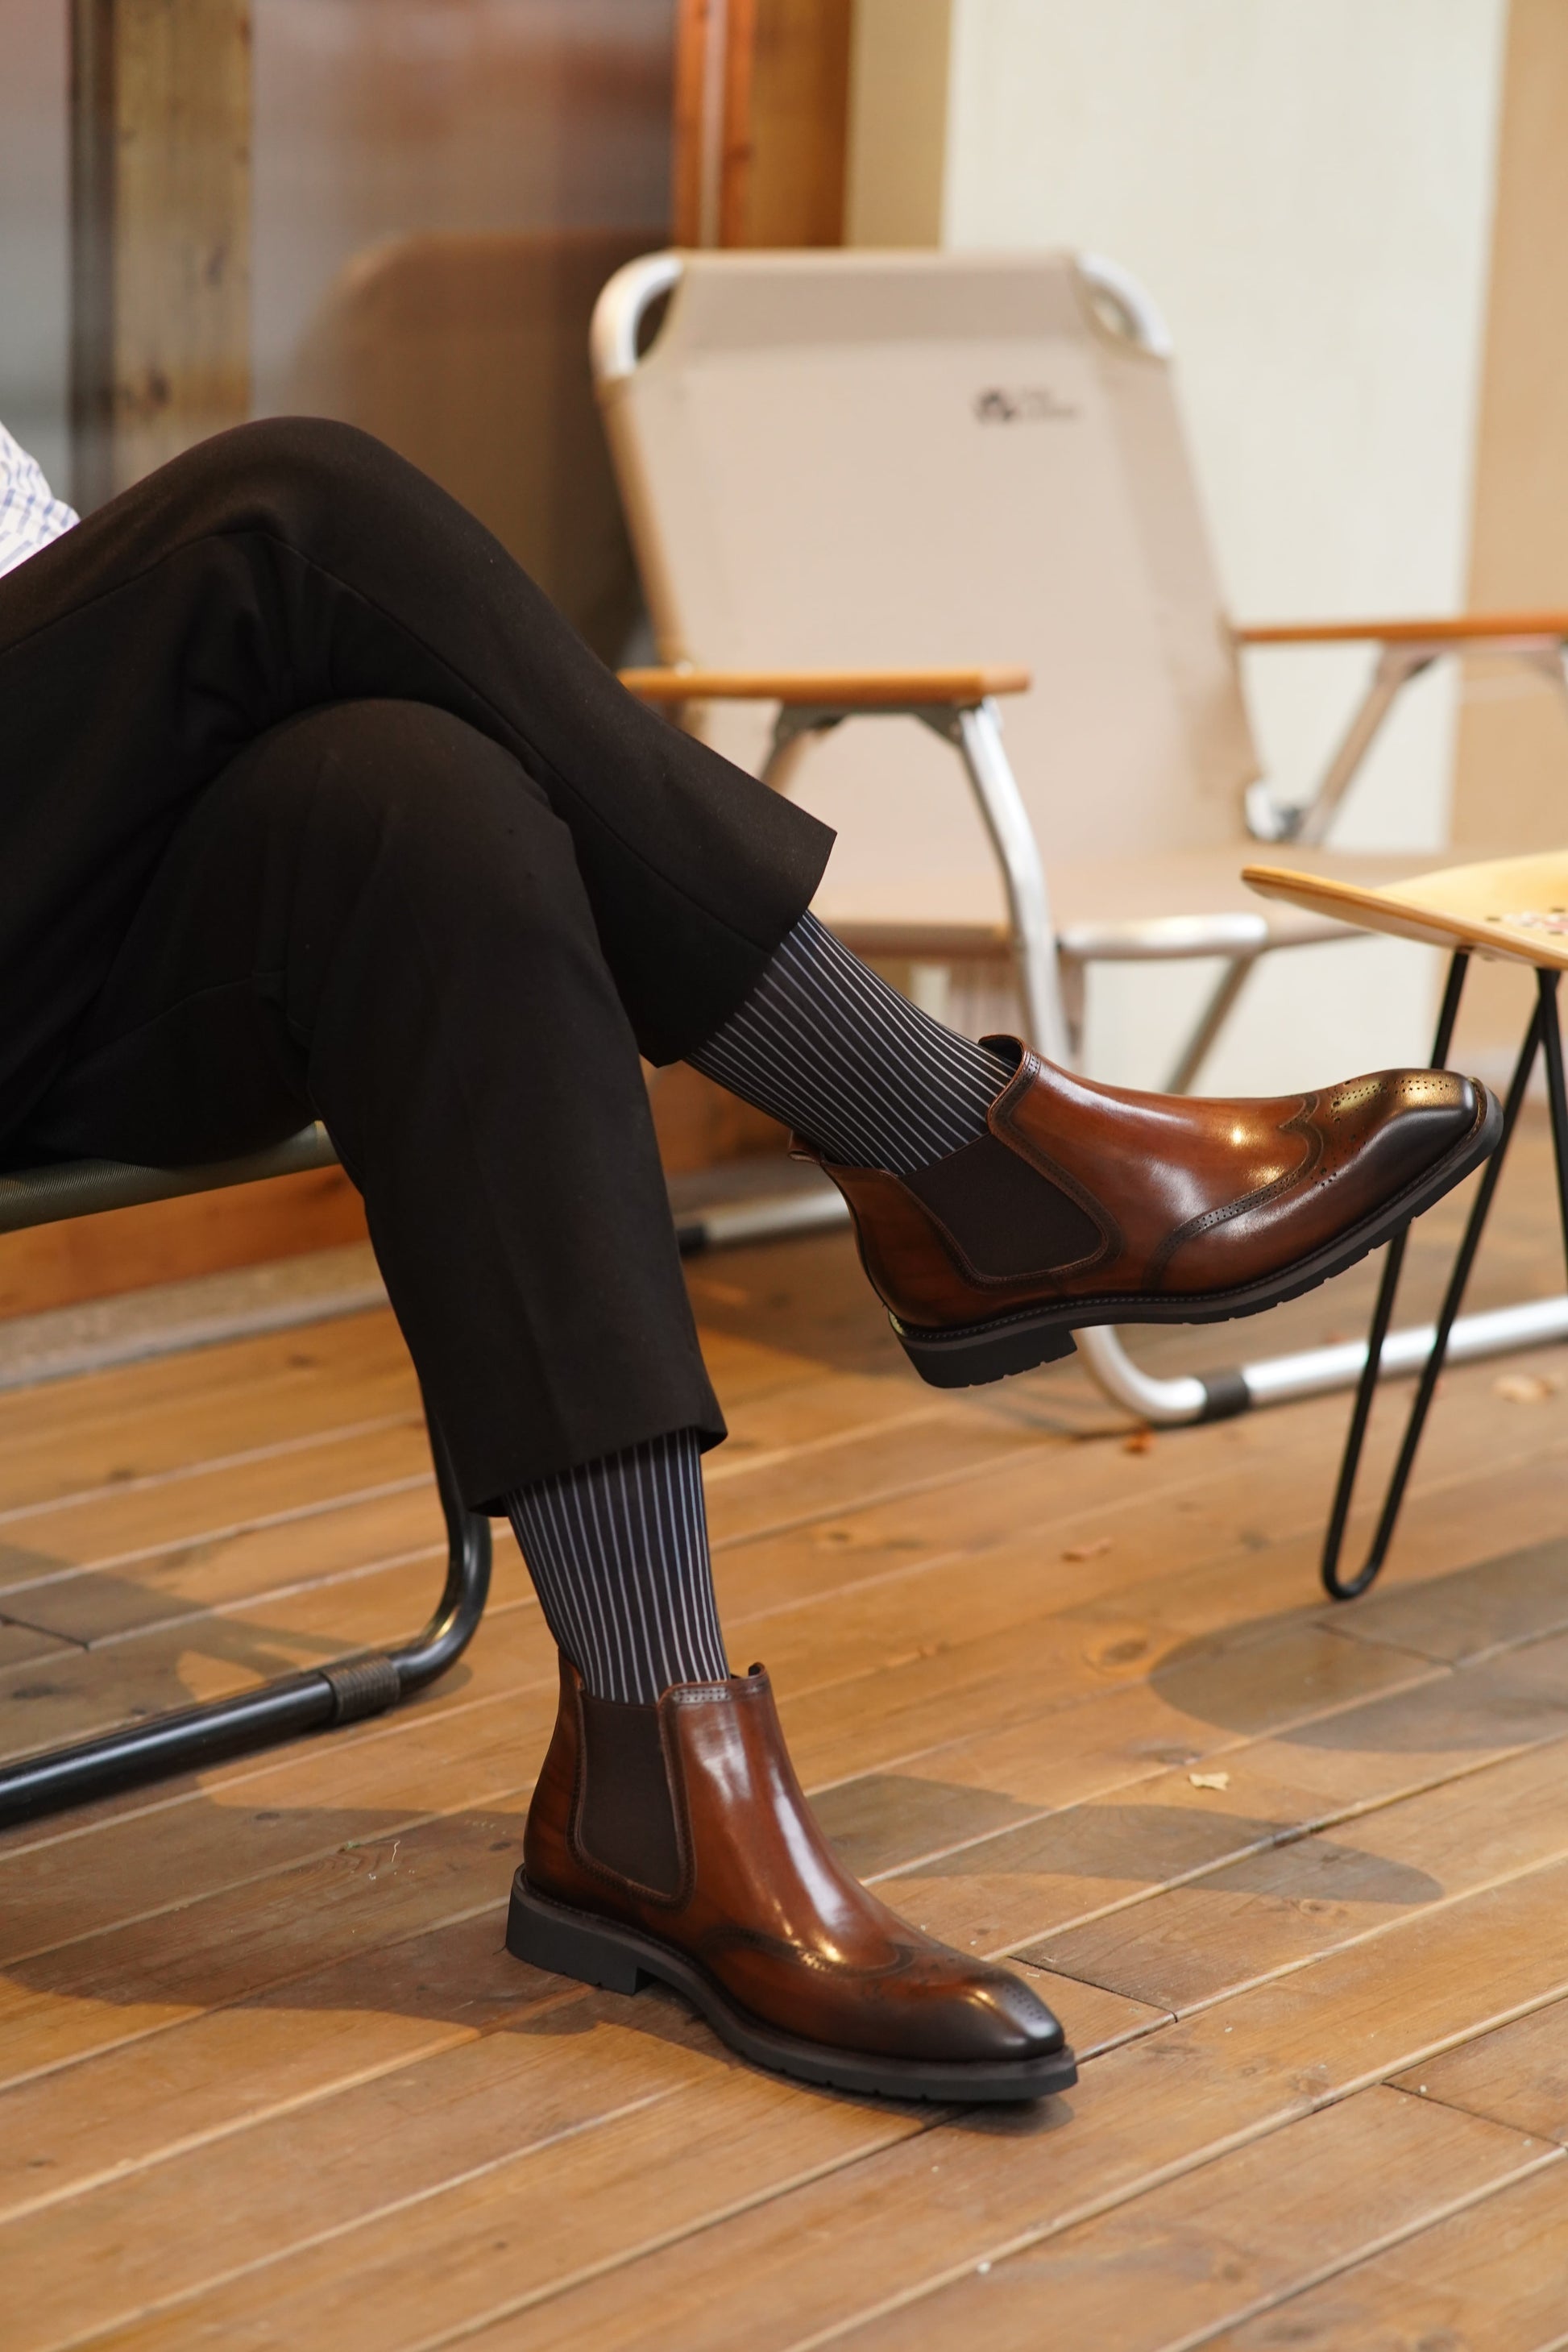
[[1543, 1029]]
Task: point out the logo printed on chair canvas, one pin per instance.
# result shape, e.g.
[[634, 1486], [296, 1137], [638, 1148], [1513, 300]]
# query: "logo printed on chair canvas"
[[1031, 403]]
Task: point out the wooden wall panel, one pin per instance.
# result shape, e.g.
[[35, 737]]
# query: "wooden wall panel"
[[762, 121], [160, 230], [169, 1241]]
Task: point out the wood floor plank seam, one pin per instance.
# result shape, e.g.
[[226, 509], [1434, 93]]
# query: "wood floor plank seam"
[[1235, 1748], [257, 1524], [1023, 2240], [267, 1596], [1294, 1967], [1288, 1834], [841, 2331], [63, 1831], [338, 2230], [719, 1471], [497, 1794], [280, 1984], [491, 1795], [1127, 2192], [68, 1641], [1550, 1630], [1087, 2210], [1348, 1941], [1245, 2314], [1292, 1834], [322, 1508], [209, 1465], [844, 2330], [1210, 2151], [170, 2151], [381, 1732], [514, 2307], [913, 1567]]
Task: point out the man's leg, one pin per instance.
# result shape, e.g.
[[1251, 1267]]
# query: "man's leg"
[[294, 563], [373, 914], [373, 917]]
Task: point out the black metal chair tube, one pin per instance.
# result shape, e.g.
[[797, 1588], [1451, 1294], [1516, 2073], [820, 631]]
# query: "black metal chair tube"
[[188, 1738]]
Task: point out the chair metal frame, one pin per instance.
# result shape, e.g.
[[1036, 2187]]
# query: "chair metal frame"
[[317, 1698], [1050, 965]]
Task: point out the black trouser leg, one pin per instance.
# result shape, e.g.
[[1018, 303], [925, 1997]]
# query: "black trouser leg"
[[375, 915], [296, 563]]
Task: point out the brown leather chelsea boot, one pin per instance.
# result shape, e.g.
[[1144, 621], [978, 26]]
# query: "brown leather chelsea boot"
[[1092, 1204], [672, 1843]]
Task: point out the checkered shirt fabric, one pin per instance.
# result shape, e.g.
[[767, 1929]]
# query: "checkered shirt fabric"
[[30, 516]]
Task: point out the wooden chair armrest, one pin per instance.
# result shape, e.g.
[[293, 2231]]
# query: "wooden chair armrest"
[[1466, 629], [841, 690]]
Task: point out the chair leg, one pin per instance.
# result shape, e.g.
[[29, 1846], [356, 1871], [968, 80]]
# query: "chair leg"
[[318, 1699], [1221, 1004], [1543, 1026]]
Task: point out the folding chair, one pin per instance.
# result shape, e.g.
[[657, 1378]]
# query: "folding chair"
[[317, 1698], [846, 473], [1506, 909]]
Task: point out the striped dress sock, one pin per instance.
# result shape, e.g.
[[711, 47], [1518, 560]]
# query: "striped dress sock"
[[618, 1554], [823, 1045]]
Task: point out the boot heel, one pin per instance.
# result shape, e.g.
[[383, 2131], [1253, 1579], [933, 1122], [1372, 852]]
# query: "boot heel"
[[546, 1939], [968, 1359]]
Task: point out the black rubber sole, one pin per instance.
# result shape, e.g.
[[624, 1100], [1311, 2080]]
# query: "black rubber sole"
[[969, 1355], [571, 1944]]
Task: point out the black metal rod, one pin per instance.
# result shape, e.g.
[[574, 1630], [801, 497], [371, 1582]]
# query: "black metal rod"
[[1338, 1588], [316, 1699], [1388, 1520], [1557, 1100], [462, 1603], [1346, 1588]]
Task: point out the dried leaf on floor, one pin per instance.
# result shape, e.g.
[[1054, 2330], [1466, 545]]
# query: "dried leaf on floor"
[[1209, 1780], [1527, 1388]]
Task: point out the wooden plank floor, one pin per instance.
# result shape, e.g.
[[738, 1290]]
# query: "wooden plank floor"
[[1296, 1877]]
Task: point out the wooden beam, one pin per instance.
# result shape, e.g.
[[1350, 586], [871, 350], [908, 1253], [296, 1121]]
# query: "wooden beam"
[[790, 190], [850, 689], [693, 201], [762, 114], [161, 232], [1455, 629]]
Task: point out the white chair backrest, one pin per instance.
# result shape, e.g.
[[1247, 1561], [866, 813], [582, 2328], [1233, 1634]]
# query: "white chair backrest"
[[841, 458]]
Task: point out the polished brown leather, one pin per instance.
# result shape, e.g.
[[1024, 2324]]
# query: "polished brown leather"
[[741, 1879], [1083, 1191]]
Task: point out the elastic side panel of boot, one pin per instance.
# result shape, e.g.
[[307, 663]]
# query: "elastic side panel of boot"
[[1005, 1217], [626, 1823]]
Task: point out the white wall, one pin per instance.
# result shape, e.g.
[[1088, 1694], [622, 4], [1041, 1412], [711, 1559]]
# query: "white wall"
[[1305, 186]]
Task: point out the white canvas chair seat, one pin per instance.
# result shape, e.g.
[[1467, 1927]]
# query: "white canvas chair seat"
[[855, 464], [1186, 903]]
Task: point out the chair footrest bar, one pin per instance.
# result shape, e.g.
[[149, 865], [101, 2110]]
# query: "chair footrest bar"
[[1314, 1371], [363, 1687], [181, 1742], [317, 1698], [1538, 1323]]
